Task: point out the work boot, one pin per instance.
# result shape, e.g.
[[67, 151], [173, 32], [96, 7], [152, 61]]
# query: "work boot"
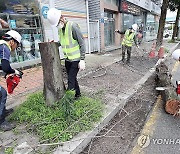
[[123, 60], [6, 126], [8, 112], [128, 62], [77, 96]]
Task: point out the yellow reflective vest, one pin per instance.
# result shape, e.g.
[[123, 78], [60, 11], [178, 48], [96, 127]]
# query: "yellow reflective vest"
[[4, 42], [69, 46], [128, 39]]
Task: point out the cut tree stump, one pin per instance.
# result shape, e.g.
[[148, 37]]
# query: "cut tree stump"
[[169, 96], [52, 73]]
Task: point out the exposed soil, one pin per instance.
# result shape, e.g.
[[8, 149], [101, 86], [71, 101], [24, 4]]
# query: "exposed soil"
[[119, 77], [117, 137]]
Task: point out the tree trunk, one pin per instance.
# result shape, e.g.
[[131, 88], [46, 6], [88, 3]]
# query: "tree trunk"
[[52, 74], [176, 24], [162, 23]]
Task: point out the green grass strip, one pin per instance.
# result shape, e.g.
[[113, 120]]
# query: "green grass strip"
[[61, 121]]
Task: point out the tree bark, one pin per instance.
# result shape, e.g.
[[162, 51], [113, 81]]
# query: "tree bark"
[[162, 23], [52, 73], [176, 24]]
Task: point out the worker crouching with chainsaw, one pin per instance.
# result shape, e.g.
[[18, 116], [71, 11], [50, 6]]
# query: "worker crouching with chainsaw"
[[73, 47], [127, 43], [9, 42]]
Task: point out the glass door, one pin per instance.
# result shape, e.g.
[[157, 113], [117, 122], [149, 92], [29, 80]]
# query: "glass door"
[[109, 28]]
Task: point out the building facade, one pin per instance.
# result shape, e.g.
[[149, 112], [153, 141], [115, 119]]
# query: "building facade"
[[145, 13], [97, 19], [121, 14]]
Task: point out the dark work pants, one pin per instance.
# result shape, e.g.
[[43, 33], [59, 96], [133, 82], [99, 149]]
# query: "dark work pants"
[[72, 70], [124, 49], [3, 97]]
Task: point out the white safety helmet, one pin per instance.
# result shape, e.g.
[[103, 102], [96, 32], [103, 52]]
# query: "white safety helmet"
[[176, 54], [15, 35], [135, 27], [53, 15]]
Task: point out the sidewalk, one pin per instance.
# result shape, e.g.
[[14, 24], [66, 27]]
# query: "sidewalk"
[[33, 77]]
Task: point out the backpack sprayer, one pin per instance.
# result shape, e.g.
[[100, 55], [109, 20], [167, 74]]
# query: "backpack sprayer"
[[12, 81]]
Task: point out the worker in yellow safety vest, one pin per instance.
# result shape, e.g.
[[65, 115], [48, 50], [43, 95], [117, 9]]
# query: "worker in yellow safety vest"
[[73, 47], [128, 40]]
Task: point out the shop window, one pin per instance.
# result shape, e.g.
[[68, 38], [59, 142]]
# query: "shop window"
[[109, 27], [23, 16], [127, 21]]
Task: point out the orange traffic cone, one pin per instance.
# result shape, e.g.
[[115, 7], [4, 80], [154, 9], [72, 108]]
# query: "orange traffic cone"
[[152, 52], [161, 52]]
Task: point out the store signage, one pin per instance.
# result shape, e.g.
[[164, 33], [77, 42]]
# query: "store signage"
[[136, 2], [44, 11], [145, 4], [127, 7], [153, 7]]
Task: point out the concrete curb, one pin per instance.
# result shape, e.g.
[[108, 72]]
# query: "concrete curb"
[[79, 142]]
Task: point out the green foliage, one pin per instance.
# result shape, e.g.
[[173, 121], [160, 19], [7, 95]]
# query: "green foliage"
[[169, 27], [166, 50], [61, 121], [171, 41], [9, 150], [174, 4]]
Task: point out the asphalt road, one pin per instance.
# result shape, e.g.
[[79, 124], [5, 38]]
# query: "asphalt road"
[[161, 131]]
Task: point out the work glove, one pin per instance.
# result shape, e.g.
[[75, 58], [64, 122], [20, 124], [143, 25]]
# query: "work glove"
[[81, 65], [116, 30], [17, 72]]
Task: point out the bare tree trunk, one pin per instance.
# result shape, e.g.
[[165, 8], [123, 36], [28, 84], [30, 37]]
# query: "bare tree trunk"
[[162, 23], [52, 74], [176, 24]]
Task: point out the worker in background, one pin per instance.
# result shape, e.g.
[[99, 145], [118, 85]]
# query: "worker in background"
[[9, 42], [73, 46], [128, 40]]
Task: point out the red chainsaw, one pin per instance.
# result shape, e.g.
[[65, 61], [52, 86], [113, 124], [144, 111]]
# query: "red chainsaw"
[[12, 81]]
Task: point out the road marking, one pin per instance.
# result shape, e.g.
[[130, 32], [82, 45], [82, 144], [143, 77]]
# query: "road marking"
[[148, 129], [144, 139]]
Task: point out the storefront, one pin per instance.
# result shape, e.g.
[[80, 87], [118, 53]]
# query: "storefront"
[[29, 18], [130, 14], [23, 16], [144, 13]]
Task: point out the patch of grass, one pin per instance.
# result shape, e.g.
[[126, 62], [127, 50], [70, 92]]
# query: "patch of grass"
[[166, 50], [61, 121], [8, 150], [171, 41]]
